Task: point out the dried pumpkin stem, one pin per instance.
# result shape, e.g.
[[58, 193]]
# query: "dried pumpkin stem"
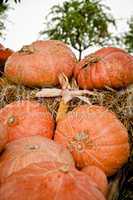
[[68, 92], [64, 169], [27, 49], [63, 107], [11, 120], [90, 60]]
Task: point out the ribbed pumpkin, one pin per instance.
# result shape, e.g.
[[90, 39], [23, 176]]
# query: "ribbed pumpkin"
[[3, 137], [4, 54], [98, 177], [26, 118], [94, 136], [108, 66], [40, 63], [49, 181], [34, 149]]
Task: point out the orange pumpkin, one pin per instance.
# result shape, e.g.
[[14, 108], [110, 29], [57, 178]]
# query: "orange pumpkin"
[[40, 63], [98, 176], [49, 181], [108, 66], [34, 149], [4, 54], [3, 137], [26, 118], [94, 136]]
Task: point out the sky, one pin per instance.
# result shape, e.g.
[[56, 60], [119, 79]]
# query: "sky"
[[27, 18]]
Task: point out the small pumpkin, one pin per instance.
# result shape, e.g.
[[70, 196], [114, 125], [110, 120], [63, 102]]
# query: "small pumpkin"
[[4, 54], [98, 176], [94, 136], [3, 137], [112, 67], [49, 180], [40, 63], [26, 118], [34, 149]]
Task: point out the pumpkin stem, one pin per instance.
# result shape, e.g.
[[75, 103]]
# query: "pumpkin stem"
[[64, 169], [27, 49], [11, 120], [92, 58], [80, 141], [33, 147], [68, 92], [63, 107]]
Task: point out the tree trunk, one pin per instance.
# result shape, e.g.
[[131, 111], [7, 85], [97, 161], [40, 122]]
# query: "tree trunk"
[[80, 54]]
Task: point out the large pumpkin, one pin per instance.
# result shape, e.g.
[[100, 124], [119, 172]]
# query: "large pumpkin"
[[98, 177], [22, 152], [3, 136], [4, 54], [26, 118], [94, 136], [108, 66], [40, 63], [49, 181]]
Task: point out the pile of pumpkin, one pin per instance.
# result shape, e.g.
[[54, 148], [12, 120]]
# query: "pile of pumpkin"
[[71, 157]]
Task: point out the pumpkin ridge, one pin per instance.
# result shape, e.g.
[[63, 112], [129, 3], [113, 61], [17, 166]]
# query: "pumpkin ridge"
[[58, 189], [94, 158], [107, 71], [121, 67], [91, 188], [105, 129], [111, 145]]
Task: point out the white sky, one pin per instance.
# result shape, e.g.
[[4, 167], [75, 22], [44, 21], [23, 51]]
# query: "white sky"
[[26, 19]]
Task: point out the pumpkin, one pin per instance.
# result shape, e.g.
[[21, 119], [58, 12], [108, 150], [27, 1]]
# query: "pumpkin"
[[4, 54], [26, 118], [109, 66], [98, 176], [22, 152], [3, 137], [50, 181], [94, 136], [40, 63]]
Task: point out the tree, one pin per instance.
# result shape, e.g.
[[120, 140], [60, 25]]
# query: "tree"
[[3, 9], [79, 23], [4, 6], [128, 36], [6, 1]]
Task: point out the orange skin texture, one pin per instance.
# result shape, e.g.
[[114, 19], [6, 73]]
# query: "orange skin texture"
[[49, 181], [20, 153], [26, 118], [47, 60], [3, 136], [114, 68], [98, 176], [4, 54], [94, 136]]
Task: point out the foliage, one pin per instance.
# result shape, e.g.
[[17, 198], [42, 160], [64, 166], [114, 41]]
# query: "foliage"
[[3, 9], [79, 23], [6, 1], [4, 6], [128, 36]]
